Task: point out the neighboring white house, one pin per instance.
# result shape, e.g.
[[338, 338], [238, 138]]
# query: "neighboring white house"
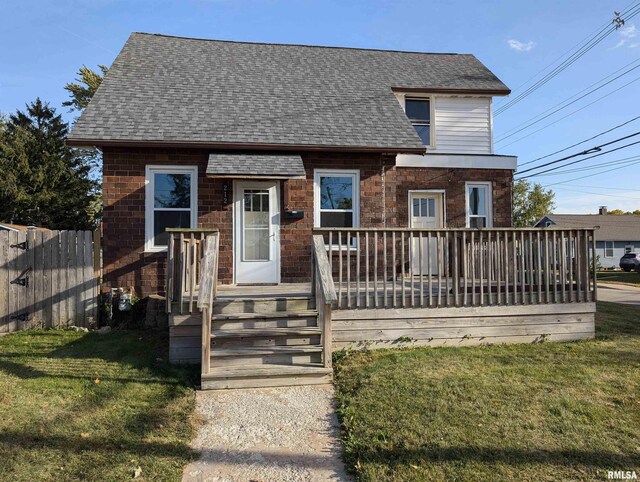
[[616, 234]]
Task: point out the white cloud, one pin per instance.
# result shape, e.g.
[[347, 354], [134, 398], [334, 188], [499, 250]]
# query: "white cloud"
[[627, 35], [521, 46]]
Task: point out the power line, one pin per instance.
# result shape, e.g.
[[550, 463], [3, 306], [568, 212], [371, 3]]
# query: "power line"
[[617, 162], [602, 187], [601, 194], [625, 10], [574, 112], [513, 131], [591, 43], [580, 160], [583, 153], [582, 142], [596, 174], [625, 160]]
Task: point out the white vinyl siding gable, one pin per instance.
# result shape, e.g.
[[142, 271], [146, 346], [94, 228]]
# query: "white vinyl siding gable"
[[462, 125]]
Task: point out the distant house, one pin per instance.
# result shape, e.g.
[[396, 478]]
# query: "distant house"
[[615, 234], [18, 227]]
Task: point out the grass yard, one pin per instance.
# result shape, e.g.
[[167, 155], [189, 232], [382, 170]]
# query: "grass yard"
[[631, 278], [547, 411], [77, 406]]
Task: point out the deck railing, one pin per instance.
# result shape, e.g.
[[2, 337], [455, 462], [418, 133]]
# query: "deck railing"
[[208, 282], [325, 295], [428, 268], [184, 259]]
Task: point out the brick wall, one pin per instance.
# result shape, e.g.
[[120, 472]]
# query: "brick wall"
[[383, 202], [453, 181]]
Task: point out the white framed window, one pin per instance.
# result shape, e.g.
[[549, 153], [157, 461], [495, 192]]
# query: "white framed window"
[[608, 249], [336, 199], [419, 110], [171, 201], [479, 204]]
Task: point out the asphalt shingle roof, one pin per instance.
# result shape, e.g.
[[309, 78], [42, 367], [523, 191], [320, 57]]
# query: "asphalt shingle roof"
[[255, 165], [163, 89], [611, 227]]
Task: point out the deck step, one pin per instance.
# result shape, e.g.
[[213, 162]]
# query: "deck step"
[[237, 355], [224, 305], [255, 376], [267, 332], [240, 351], [266, 315]]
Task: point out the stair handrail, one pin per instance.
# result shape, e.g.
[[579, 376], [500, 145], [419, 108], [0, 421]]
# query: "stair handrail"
[[206, 295], [325, 294]]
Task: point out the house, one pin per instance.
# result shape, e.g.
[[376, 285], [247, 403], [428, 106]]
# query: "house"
[[616, 234], [315, 179], [18, 227]]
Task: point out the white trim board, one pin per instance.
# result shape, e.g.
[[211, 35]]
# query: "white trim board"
[[461, 161]]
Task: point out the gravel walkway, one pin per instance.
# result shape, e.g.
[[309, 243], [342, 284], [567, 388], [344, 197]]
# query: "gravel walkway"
[[267, 434]]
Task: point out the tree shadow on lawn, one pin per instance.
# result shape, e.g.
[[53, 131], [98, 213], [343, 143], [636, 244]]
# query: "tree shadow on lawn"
[[96, 377], [143, 355]]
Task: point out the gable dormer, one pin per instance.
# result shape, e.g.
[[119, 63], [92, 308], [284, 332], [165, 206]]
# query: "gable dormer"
[[450, 124]]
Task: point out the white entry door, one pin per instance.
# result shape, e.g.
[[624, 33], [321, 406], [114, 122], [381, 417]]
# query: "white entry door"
[[256, 232], [426, 210]]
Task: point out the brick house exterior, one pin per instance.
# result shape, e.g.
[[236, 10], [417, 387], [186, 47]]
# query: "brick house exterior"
[[384, 191], [413, 129]]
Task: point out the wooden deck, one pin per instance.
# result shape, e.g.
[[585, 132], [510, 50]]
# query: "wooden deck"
[[391, 288]]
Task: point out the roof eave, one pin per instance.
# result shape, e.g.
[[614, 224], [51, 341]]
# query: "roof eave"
[[421, 90], [79, 142]]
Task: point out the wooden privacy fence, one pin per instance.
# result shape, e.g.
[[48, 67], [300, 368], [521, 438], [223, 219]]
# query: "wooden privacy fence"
[[427, 268], [48, 279]]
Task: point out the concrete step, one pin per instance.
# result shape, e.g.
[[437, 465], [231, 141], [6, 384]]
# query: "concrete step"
[[223, 305], [255, 376], [279, 354]]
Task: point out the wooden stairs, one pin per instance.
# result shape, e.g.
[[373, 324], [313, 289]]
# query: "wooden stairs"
[[264, 342]]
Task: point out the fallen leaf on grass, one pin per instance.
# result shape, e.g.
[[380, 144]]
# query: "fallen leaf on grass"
[[84, 434], [96, 381], [137, 472]]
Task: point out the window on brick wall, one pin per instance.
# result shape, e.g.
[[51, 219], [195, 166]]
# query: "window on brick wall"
[[171, 199], [337, 201], [479, 205]]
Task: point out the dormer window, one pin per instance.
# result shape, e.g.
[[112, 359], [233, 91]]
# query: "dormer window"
[[419, 113]]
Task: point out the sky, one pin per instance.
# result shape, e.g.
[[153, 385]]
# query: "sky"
[[43, 43]]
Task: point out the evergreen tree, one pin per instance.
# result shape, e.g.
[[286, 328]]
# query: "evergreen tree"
[[44, 182], [530, 203], [82, 92]]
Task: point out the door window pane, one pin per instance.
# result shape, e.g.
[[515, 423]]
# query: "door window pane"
[[256, 225], [256, 244], [172, 190]]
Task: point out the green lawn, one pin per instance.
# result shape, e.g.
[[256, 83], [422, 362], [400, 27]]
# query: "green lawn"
[[76, 406], [631, 278], [568, 411]]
